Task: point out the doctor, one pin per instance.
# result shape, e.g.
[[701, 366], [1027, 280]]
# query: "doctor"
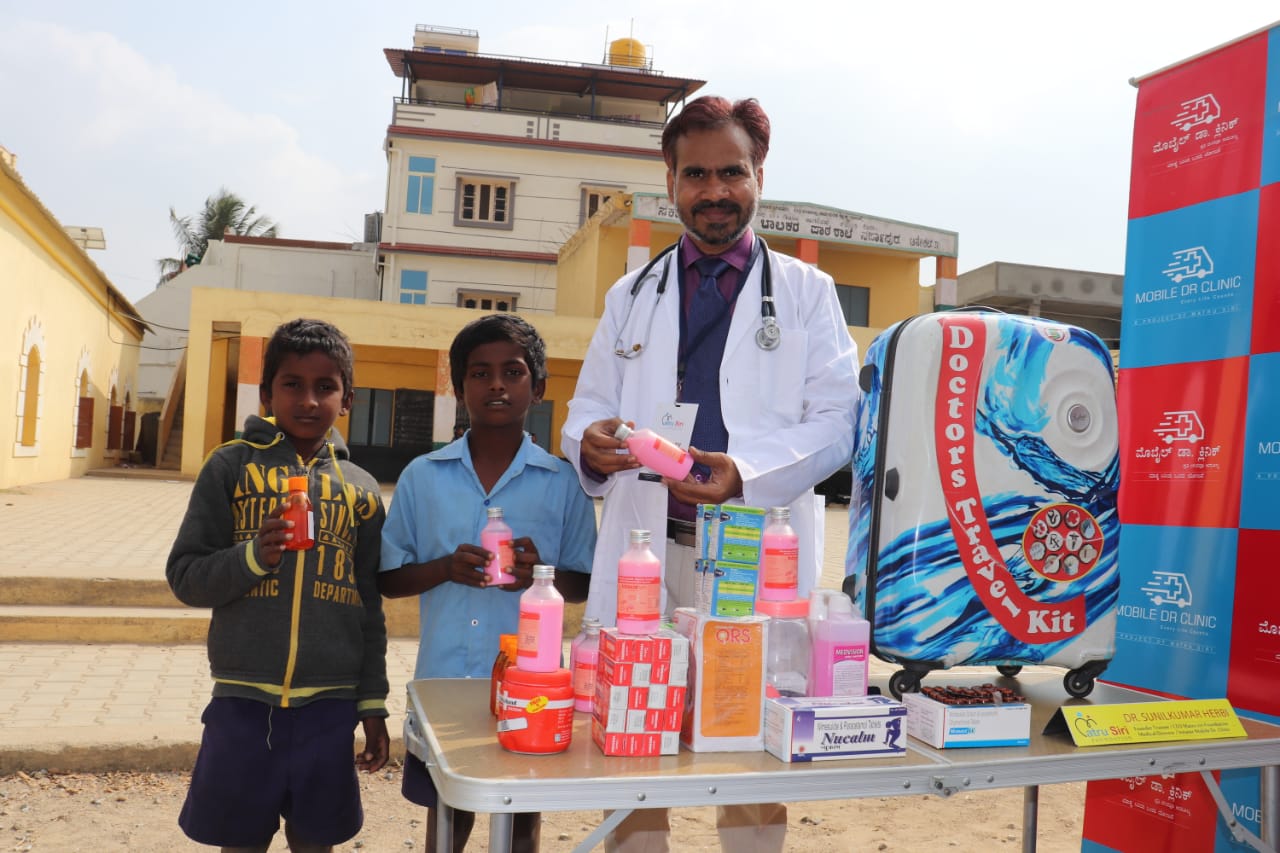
[[774, 410]]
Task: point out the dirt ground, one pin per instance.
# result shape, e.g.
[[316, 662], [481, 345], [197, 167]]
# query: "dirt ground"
[[137, 812]]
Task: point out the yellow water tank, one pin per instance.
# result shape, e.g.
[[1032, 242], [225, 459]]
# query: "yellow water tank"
[[628, 52]]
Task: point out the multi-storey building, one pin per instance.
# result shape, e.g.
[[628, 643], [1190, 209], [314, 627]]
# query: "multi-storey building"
[[493, 162]]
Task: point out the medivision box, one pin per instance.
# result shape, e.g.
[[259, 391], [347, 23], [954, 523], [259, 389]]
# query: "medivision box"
[[806, 728], [943, 726]]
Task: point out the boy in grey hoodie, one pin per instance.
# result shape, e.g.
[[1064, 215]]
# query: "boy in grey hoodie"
[[297, 640]]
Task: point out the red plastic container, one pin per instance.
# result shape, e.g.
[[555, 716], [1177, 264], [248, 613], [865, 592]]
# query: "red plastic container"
[[535, 711]]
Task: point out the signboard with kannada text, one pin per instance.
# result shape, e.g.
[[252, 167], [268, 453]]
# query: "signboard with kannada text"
[[829, 224]]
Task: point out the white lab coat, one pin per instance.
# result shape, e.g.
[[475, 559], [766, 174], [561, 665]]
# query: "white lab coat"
[[789, 412]]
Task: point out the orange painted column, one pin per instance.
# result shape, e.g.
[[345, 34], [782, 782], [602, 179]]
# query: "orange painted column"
[[807, 250], [639, 243], [944, 289], [248, 380]]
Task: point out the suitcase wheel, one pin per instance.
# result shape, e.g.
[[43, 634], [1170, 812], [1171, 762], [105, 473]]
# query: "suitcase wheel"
[[1078, 683], [1009, 670], [904, 681]]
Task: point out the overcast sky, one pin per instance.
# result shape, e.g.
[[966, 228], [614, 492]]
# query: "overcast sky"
[[1009, 123]]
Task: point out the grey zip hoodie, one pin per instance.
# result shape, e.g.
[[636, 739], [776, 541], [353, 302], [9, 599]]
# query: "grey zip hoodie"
[[313, 627]]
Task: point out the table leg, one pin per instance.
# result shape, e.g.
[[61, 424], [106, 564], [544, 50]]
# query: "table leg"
[[1269, 800], [1030, 817], [500, 832], [444, 828]]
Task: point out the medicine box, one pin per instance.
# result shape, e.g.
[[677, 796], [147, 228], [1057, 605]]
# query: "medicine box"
[[941, 726], [724, 711], [641, 684], [729, 550], [805, 728]]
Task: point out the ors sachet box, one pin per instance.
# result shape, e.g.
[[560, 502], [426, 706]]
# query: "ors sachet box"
[[941, 725], [806, 728]]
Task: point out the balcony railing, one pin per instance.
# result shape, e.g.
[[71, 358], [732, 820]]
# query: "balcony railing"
[[628, 121]]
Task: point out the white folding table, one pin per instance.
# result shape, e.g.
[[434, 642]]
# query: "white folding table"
[[449, 727]]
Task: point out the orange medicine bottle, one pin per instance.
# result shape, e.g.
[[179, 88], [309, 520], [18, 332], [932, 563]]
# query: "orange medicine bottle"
[[300, 512], [507, 652]]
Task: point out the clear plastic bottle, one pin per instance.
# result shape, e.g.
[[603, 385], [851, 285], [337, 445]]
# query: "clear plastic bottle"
[[541, 630], [496, 539], [300, 512], [656, 452], [584, 658], [780, 572], [639, 587], [788, 649], [841, 652]]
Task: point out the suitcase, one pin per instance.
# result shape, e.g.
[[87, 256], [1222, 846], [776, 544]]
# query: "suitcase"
[[982, 521]]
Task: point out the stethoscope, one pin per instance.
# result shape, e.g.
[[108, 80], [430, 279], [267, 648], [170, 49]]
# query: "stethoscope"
[[768, 336]]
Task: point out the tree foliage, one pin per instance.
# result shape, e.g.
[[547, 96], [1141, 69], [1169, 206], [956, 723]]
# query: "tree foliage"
[[224, 213]]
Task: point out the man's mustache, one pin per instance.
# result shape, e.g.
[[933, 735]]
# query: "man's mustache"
[[726, 205]]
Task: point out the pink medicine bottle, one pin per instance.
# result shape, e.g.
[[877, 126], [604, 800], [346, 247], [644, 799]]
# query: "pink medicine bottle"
[[584, 660], [841, 652], [539, 641], [495, 538], [639, 587], [654, 451], [781, 545]]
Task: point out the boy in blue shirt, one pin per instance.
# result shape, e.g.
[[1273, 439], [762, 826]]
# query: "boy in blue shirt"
[[499, 369], [297, 639]]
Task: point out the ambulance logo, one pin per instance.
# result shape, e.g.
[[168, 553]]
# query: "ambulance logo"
[[1197, 111], [1189, 263], [1168, 588], [1180, 426]]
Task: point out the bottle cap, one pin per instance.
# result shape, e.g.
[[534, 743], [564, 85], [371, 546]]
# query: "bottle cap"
[[795, 609], [623, 432], [507, 644], [541, 571], [780, 513], [840, 605], [298, 484], [640, 537], [495, 512]]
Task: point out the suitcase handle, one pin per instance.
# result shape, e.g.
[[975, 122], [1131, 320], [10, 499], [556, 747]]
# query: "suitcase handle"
[[891, 483]]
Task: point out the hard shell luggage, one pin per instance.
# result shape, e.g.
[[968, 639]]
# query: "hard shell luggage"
[[982, 524]]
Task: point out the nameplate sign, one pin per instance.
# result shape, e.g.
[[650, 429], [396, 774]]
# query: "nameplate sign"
[[1147, 722]]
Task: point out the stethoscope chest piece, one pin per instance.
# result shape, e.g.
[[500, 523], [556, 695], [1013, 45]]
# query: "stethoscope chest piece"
[[768, 336]]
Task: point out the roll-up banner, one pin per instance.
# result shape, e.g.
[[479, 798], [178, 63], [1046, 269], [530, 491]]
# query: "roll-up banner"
[[1199, 408]]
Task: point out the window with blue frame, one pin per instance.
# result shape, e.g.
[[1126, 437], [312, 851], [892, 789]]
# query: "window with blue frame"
[[422, 183], [413, 287]]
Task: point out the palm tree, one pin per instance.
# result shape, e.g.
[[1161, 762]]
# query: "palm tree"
[[224, 212]]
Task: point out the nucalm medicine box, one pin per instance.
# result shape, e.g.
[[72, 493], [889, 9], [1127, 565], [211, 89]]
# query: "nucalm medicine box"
[[807, 728]]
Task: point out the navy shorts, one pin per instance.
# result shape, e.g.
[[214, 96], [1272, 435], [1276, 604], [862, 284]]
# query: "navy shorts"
[[258, 763], [416, 783]]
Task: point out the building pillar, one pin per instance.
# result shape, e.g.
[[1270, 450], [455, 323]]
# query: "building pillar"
[[944, 288], [444, 412], [807, 250], [639, 243], [248, 380]]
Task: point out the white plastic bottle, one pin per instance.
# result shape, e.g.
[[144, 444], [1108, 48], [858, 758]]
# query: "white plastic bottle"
[[841, 652], [788, 650], [654, 451]]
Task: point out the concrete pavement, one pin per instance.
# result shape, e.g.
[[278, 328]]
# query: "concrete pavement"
[[92, 550]]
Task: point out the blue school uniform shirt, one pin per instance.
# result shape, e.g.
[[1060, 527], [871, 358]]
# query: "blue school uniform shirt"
[[439, 504]]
